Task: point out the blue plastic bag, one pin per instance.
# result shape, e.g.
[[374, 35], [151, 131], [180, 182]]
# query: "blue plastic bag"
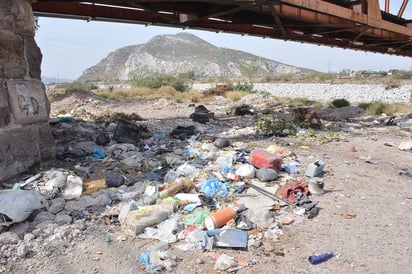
[[98, 153], [213, 187]]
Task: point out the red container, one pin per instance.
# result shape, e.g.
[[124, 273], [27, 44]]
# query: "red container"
[[262, 158]]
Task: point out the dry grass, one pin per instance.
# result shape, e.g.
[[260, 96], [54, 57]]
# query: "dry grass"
[[404, 108], [166, 92], [235, 96], [125, 93]]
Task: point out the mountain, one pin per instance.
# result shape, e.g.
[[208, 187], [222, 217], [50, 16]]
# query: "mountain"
[[182, 53]]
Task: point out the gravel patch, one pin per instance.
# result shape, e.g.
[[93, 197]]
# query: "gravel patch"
[[354, 93]]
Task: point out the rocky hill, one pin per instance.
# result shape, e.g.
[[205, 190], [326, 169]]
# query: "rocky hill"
[[182, 53]]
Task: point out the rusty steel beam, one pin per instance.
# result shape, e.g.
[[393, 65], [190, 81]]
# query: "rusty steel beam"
[[318, 6], [278, 21], [96, 11], [402, 9], [356, 24]]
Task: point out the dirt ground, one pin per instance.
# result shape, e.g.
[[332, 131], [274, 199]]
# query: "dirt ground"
[[364, 216]]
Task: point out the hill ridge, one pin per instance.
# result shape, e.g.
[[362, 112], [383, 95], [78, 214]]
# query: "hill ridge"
[[180, 53]]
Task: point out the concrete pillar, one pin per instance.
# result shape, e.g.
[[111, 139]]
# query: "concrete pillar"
[[25, 136]]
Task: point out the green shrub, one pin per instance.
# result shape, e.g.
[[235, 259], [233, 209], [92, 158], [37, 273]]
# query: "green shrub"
[[338, 103], [364, 106], [268, 125], [377, 108], [109, 96], [245, 86], [160, 81], [78, 85], [302, 101]]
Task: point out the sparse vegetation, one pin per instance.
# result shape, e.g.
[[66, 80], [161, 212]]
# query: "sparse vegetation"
[[245, 86], [339, 103], [319, 77], [377, 108], [391, 83], [297, 101], [249, 69], [303, 101], [178, 99], [401, 74], [268, 125], [178, 83], [78, 85], [235, 96]]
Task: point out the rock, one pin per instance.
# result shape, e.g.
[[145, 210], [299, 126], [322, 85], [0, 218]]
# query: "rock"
[[9, 238], [79, 224], [22, 250], [76, 233], [405, 145], [87, 201], [64, 231], [221, 142], [114, 180], [266, 174], [44, 217], [57, 205], [63, 219], [102, 139], [21, 228], [47, 228], [28, 237]]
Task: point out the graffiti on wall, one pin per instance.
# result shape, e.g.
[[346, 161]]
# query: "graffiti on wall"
[[27, 104]]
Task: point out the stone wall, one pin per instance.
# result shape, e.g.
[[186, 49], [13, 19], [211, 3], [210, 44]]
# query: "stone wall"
[[25, 136]]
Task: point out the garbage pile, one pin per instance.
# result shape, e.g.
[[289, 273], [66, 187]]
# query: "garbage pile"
[[172, 187], [179, 188]]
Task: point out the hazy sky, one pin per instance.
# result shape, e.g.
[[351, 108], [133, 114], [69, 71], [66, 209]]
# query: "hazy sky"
[[71, 46]]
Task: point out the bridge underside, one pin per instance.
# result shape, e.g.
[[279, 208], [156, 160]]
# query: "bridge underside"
[[355, 24]]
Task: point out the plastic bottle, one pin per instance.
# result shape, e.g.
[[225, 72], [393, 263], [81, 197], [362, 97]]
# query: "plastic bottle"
[[220, 217], [262, 158], [316, 259]]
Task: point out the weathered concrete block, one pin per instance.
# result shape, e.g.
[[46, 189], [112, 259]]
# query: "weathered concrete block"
[[12, 58], [21, 148], [4, 106], [18, 151], [34, 56], [47, 147], [17, 15], [28, 101]]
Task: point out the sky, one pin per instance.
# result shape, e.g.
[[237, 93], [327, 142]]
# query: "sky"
[[70, 46]]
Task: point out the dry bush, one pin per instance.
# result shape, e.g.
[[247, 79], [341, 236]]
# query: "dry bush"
[[405, 108], [167, 92], [195, 96], [125, 93], [235, 96]]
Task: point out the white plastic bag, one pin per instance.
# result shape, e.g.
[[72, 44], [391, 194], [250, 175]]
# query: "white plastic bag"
[[16, 205]]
